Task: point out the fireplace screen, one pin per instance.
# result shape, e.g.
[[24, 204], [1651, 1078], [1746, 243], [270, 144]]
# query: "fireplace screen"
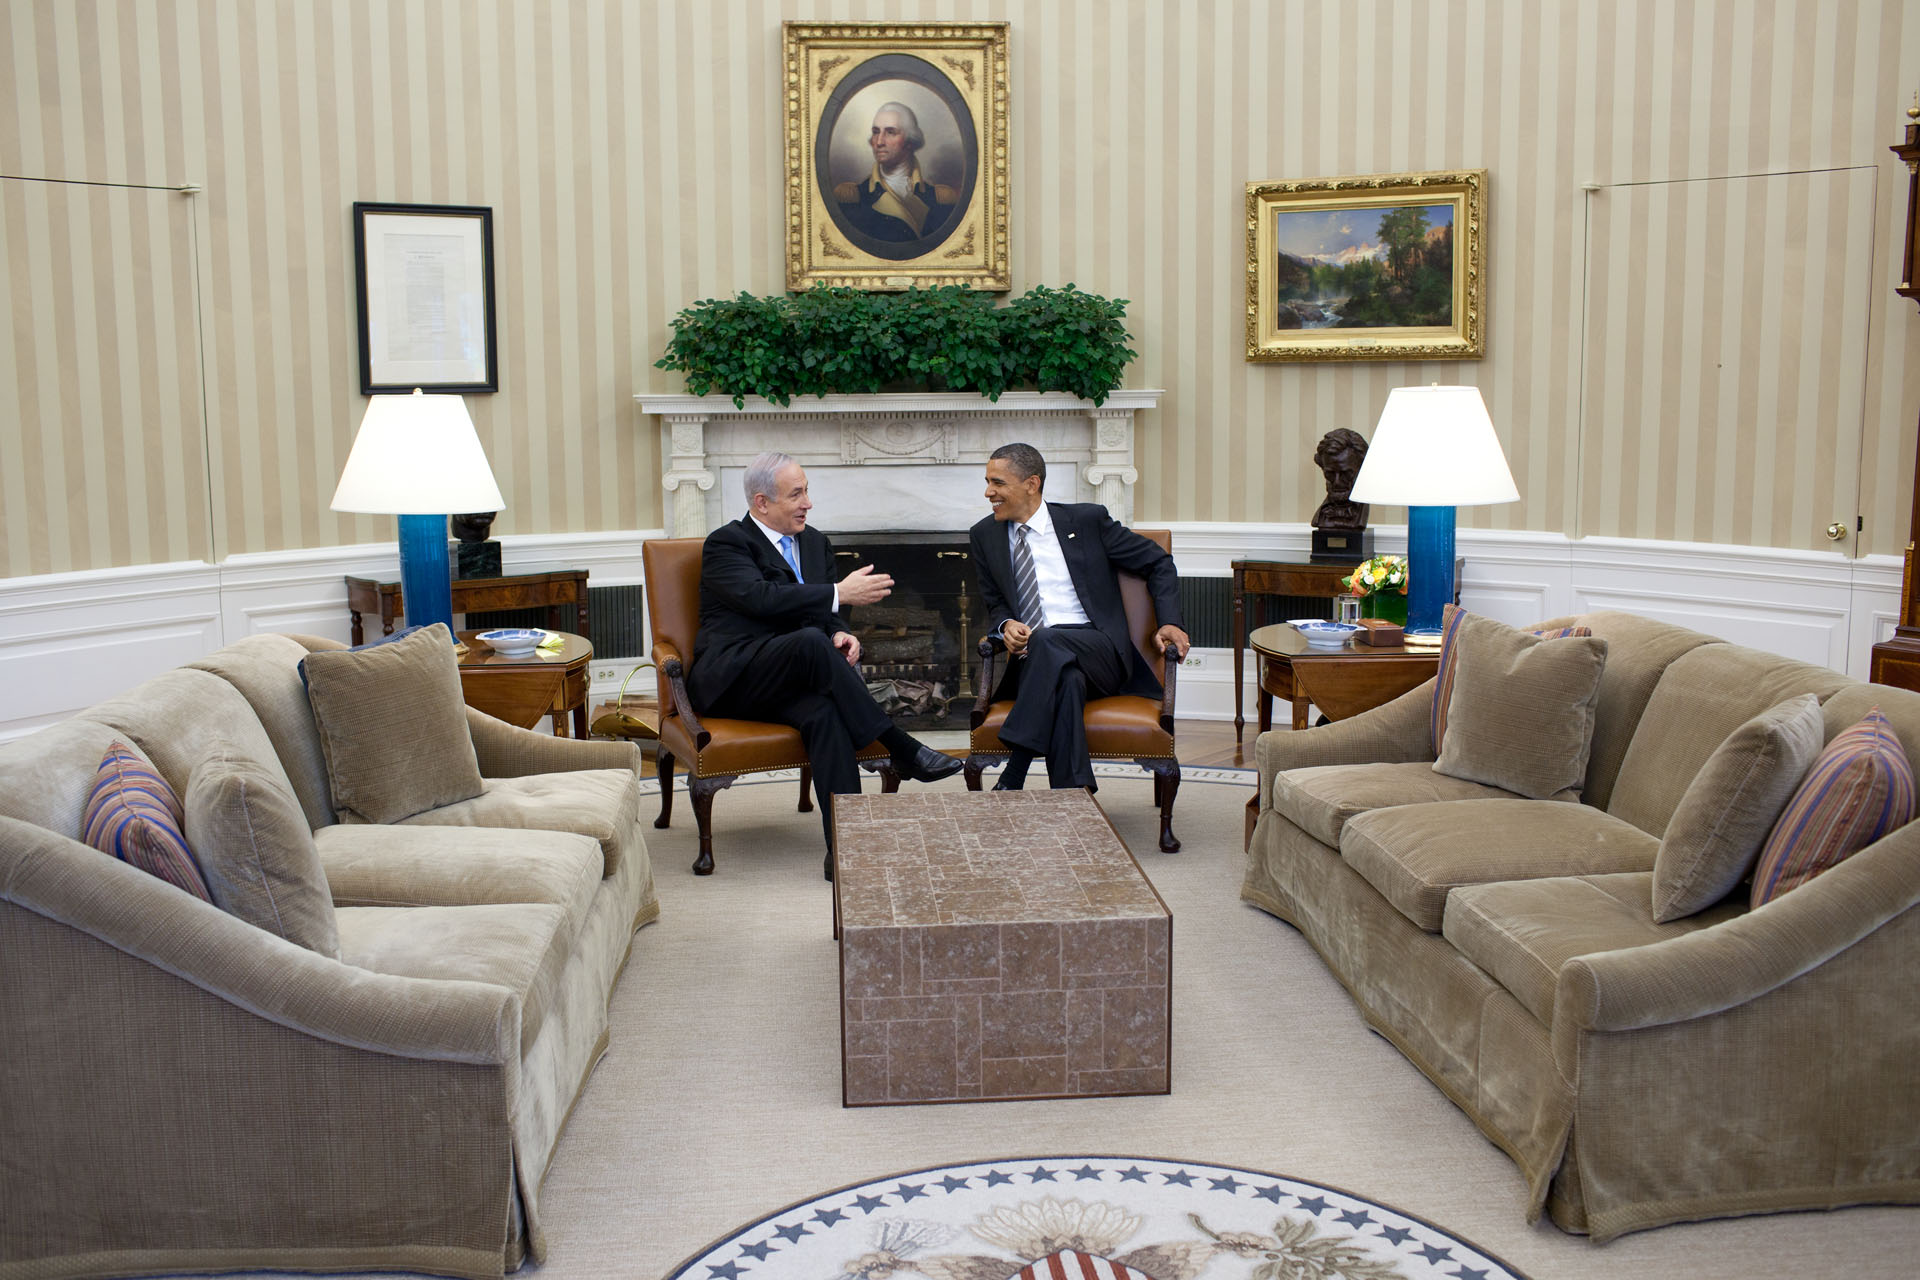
[[917, 645]]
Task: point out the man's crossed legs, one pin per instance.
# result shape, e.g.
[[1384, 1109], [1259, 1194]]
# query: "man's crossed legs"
[[1063, 669]]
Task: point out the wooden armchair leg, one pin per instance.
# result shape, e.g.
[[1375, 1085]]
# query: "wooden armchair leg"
[[806, 788], [666, 791], [976, 768], [1166, 783], [702, 789]]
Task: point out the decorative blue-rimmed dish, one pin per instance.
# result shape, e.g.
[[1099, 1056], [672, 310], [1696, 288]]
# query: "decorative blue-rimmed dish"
[[513, 642], [1322, 634]]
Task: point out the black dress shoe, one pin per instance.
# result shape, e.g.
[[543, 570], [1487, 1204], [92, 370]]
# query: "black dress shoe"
[[1004, 785], [928, 765], [828, 868]]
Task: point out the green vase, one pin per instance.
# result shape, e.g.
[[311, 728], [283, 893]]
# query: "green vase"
[[1389, 606]]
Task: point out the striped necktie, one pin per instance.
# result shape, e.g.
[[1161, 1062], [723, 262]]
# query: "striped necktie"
[[1026, 583], [793, 561]]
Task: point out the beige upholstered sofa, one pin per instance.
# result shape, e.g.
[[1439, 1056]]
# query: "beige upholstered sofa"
[[181, 1090], [1734, 1061]]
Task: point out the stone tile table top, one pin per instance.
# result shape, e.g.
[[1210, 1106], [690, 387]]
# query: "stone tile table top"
[[996, 945]]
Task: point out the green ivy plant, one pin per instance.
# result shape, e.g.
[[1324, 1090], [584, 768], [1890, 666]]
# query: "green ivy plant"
[[948, 338]]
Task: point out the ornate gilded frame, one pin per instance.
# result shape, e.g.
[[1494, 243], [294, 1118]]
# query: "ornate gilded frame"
[[1277, 209], [952, 73]]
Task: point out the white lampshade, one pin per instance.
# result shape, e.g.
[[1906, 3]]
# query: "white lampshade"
[[1435, 447], [417, 455]]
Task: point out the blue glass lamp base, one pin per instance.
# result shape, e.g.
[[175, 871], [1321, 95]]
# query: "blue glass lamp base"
[[1429, 566], [426, 581]]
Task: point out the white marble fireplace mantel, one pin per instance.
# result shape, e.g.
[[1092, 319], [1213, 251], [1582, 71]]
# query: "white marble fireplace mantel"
[[897, 462]]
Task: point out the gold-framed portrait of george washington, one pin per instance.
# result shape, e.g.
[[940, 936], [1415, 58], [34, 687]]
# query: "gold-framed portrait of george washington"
[[896, 154]]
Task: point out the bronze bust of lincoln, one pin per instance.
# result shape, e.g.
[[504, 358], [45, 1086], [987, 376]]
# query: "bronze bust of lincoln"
[[1339, 457]]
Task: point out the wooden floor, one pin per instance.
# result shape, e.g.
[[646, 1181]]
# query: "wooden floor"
[[1199, 742]]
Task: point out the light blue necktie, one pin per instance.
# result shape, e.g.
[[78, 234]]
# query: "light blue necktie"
[[793, 561]]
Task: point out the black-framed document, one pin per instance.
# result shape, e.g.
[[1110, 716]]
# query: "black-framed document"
[[425, 277]]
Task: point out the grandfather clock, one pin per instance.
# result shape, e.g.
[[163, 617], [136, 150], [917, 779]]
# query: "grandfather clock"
[[1897, 661]]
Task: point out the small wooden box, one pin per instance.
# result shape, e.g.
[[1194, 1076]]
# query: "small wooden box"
[[1378, 631]]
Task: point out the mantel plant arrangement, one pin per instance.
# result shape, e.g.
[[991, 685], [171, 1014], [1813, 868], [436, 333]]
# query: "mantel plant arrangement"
[[948, 338], [1381, 583]]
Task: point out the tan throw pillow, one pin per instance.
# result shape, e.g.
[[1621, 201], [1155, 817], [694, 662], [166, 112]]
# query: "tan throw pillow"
[[1521, 714], [1450, 616], [393, 727], [1732, 803], [257, 853]]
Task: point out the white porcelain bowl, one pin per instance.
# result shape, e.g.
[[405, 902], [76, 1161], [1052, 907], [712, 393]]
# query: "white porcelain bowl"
[[1322, 634], [513, 642]]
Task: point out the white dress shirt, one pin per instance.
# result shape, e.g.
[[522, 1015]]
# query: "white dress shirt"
[[1058, 596], [774, 536]]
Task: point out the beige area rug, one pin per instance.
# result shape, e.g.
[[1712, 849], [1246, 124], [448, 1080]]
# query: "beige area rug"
[[719, 1101]]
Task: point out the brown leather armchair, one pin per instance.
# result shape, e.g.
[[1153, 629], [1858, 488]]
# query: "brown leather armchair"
[[1125, 727], [715, 750]]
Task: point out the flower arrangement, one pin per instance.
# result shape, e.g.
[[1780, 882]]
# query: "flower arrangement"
[[1380, 575]]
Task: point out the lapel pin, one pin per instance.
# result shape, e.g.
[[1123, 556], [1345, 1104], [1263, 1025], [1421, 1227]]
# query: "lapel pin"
[[1072, 536]]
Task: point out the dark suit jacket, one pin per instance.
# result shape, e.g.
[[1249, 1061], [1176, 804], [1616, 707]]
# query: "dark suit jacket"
[[748, 595], [1096, 547], [857, 199]]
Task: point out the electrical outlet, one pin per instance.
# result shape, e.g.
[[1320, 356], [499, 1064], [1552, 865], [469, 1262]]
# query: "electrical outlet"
[[607, 674]]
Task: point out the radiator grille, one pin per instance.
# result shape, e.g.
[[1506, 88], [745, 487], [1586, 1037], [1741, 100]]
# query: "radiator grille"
[[1208, 606], [616, 620]]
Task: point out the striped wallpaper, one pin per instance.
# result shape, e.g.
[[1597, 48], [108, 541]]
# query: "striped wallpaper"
[[630, 150]]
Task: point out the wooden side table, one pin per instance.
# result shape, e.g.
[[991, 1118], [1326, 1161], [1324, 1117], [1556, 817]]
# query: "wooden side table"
[[525, 688], [1286, 578], [1273, 578], [550, 591], [1342, 682]]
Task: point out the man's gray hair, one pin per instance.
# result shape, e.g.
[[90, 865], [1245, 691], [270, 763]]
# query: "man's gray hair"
[[1024, 459], [909, 122], [763, 475]]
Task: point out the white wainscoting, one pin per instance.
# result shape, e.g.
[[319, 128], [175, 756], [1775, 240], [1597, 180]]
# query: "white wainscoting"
[[69, 640], [1818, 607]]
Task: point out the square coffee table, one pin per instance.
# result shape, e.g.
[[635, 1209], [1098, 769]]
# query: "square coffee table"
[[993, 946]]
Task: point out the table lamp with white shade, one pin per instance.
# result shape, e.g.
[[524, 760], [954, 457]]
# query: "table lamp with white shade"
[[418, 457], [1434, 450]]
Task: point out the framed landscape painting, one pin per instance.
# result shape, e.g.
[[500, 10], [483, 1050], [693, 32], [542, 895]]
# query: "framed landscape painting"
[[896, 151], [1379, 267]]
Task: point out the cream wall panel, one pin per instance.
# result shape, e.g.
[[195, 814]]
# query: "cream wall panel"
[[630, 150], [1725, 372], [100, 415]]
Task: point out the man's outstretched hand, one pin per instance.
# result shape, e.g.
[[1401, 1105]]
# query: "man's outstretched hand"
[[864, 586]]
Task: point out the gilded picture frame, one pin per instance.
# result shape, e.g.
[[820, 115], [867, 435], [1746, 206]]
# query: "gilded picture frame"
[[1376, 267], [923, 103]]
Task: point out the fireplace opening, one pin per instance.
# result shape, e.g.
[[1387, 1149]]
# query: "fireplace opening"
[[917, 645]]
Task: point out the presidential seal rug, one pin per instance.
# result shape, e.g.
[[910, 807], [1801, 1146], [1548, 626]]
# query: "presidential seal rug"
[[1091, 1218]]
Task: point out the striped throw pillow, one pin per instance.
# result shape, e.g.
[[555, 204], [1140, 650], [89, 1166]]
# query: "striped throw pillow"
[[1450, 662], [133, 815], [1859, 789]]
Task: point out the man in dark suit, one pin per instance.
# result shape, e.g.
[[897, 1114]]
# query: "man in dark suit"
[[772, 646], [1048, 573]]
